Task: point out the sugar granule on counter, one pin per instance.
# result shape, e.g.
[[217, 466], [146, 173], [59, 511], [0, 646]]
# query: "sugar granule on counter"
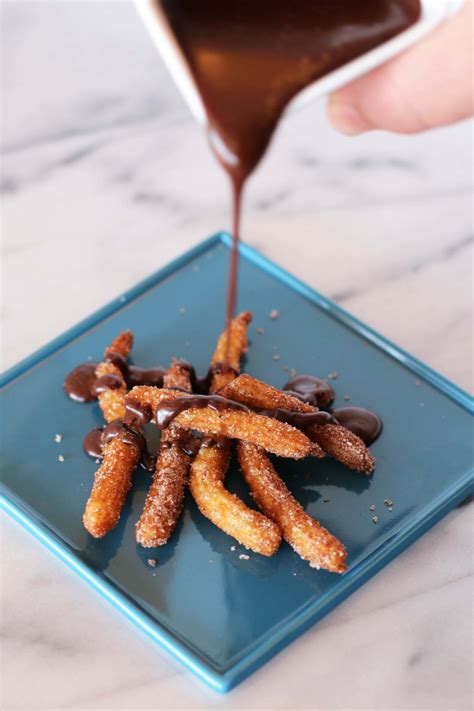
[[232, 548], [244, 556], [60, 458], [390, 508], [97, 461], [292, 372], [276, 357], [274, 313], [58, 438], [151, 562], [388, 502], [375, 519], [260, 331], [332, 376], [326, 501], [346, 397], [372, 507]]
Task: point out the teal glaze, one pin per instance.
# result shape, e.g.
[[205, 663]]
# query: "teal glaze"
[[221, 616]]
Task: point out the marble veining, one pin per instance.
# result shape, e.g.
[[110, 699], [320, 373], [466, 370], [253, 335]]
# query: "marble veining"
[[95, 138]]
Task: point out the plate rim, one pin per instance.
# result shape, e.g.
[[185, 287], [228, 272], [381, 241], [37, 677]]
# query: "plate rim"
[[224, 680]]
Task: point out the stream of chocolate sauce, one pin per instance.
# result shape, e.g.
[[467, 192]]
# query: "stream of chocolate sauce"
[[249, 58]]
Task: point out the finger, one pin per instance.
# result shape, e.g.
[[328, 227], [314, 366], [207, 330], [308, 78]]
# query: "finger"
[[429, 85]]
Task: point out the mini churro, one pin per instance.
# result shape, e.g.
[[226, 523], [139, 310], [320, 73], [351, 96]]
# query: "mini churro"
[[121, 446], [257, 394], [237, 346], [250, 528], [343, 445], [306, 536], [209, 468], [334, 439], [112, 483], [216, 416], [164, 500]]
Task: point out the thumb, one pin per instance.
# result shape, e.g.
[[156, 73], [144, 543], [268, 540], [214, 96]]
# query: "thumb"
[[429, 85]]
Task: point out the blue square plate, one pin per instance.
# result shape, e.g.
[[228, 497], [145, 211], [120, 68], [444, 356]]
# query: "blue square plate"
[[221, 615]]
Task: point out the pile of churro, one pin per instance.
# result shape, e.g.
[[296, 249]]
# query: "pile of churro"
[[203, 421]]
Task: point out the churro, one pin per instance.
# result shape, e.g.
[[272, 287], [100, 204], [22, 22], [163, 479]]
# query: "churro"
[[121, 453], [304, 534], [215, 416], [257, 394], [230, 352], [209, 468], [112, 483], [250, 528], [165, 497], [343, 445], [332, 438]]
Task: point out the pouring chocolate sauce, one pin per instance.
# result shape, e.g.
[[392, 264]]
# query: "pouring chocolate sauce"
[[249, 58]]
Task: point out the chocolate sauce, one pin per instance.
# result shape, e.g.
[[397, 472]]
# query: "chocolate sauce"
[[133, 375], [249, 58], [95, 440], [137, 413], [78, 384], [92, 443], [82, 385], [105, 382], [169, 409], [310, 389], [300, 420], [202, 384], [364, 423]]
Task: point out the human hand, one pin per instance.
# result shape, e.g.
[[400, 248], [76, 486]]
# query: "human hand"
[[429, 85]]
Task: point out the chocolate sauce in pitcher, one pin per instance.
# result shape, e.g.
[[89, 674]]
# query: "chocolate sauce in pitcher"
[[249, 58]]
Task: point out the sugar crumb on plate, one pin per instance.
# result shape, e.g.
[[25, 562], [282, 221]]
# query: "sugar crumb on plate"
[[274, 313]]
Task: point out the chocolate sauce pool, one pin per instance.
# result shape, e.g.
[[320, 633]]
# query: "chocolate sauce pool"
[[249, 58], [364, 423], [310, 389], [80, 382]]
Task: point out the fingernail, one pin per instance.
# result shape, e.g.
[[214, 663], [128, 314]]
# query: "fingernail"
[[346, 118]]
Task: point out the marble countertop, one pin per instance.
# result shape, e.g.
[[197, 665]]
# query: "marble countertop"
[[95, 142]]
